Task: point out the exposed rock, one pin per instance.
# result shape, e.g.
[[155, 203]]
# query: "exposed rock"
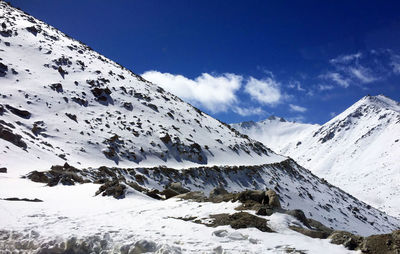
[[19, 112], [3, 170], [240, 220], [298, 214], [8, 135], [3, 69], [112, 188], [346, 239], [273, 198], [264, 211], [174, 189], [23, 199], [310, 233], [218, 191], [381, 244], [57, 87]]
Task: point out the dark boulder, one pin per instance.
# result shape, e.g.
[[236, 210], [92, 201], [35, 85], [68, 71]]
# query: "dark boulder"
[[19, 112], [3, 170], [240, 220], [8, 135], [3, 69]]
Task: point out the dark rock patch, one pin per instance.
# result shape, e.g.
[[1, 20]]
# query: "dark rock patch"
[[19, 112], [57, 87], [3, 170], [239, 220], [3, 69], [23, 199], [8, 135]]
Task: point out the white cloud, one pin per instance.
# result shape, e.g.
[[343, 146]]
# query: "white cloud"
[[294, 84], [362, 74], [297, 108], [325, 87], [249, 111], [395, 62], [337, 78], [265, 91], [346, 58], [216, 93]]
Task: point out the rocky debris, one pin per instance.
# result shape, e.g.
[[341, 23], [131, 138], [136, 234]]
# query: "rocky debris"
[[101, 94], [174, 189], [8, 135], [38, 127], [273, 198], [66, 175], [3, 170], [374, 244], [23, 199], [3, 69], [19, 112], [73, 117], [298, 214], [346, 239], [33, 30], [239, 220], [218, 191], [57, 87], [128, 106], [310, 232], [112, 188], [80, 101], [381, 244]]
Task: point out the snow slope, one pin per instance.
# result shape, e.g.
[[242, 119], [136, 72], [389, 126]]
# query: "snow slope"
[[61, 101], [357, 151], [275, 132]]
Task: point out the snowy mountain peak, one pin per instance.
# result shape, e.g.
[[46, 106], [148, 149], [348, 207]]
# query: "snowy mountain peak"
[[357, 150], [381, 101]]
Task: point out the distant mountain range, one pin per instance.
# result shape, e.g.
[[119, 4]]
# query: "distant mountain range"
[[358, 150]]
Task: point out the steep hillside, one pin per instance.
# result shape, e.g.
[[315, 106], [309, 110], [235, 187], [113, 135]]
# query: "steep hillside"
[[60, 100], [357, 150], [275, 132]]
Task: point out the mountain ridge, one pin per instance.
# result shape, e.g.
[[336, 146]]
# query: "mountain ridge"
[[357, 146]]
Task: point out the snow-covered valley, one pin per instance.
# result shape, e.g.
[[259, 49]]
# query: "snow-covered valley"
[[121, 142]]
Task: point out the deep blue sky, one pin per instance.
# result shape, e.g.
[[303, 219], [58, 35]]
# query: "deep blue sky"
[[291, 43]]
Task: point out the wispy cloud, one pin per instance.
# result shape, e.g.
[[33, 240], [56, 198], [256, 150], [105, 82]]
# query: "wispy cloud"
[[214, 92], [337, 78], [346, 58], [363, 67], [297, 108], [295, 84], [325, 87], [265, 91], [363, 74], [243, 111]]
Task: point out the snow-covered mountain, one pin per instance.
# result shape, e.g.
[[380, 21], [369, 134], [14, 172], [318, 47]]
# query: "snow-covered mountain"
[[357, 150], [62, 102], [275, 132]]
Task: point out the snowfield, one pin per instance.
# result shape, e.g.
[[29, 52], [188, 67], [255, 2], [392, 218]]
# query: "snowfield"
[[69, 212]]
